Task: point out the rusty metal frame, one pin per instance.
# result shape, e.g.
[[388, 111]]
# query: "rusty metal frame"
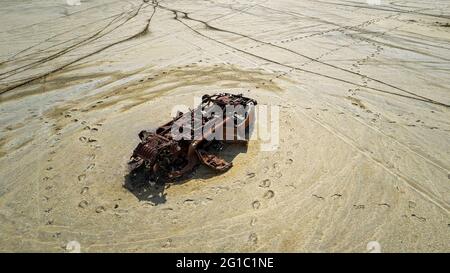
[[165, 158]]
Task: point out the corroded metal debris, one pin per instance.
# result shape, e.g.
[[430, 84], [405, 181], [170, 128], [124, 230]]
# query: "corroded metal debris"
[[177, 147]]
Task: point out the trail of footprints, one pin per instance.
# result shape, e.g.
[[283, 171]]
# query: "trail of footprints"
[[49, 180], [356, 67], [90, 140], [411, 204], [47, 184], [266, 192], [274, 172]]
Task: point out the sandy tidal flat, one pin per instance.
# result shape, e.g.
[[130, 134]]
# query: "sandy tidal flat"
[[364, 152]]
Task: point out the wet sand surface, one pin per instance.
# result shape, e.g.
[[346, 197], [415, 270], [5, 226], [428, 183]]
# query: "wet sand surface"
[[364, 152]]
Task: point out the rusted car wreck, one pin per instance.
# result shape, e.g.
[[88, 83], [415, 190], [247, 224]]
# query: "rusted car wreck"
[[168, 153]]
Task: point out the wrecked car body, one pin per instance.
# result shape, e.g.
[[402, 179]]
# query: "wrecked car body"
[[179, 146]]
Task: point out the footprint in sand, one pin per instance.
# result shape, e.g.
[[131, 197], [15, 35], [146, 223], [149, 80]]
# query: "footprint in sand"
[[256, 204], [91, 157], [91, 140], [84, 190], [318, 197], [269, 194], [411, 204], [253, 238], [189, 202], [336, 195], [83, 204], [167, 243], [421, 219], [265, 183], [100, 209]]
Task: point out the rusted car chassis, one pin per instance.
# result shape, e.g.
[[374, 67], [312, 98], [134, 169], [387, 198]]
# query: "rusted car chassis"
[[166, 155]]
